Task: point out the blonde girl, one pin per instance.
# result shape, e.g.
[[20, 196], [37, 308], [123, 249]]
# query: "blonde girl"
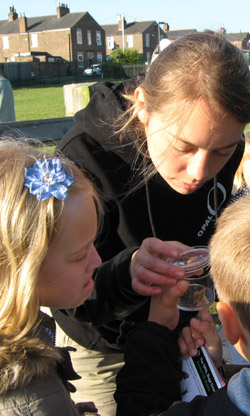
[[241, 184], [47, 258]]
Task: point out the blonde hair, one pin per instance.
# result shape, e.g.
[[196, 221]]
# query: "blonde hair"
[[239, 179], [230, 258], [27, 227]]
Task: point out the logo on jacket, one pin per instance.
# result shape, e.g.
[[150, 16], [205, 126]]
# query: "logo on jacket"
[[221, 197]]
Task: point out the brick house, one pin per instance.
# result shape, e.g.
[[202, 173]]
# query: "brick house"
[[142, 36], [63, 37], [171, 35], [176, 34], [241, 40]]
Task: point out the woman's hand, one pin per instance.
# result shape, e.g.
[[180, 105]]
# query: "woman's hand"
[[150, 271], [201, 332], [163, 309]]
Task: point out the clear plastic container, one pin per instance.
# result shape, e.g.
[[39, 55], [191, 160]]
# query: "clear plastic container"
[[200, 293]]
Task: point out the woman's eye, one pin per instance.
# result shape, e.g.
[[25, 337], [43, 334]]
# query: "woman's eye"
[[224, 153], [183, 149]]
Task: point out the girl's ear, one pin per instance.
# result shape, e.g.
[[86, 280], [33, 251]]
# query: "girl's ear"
[[230, 323], [140, 105]]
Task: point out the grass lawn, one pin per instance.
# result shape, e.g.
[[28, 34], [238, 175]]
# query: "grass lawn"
[[42, 102], [39, 102]]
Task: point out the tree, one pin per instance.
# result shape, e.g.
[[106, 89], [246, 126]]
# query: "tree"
[[117, 55], [128, 57]]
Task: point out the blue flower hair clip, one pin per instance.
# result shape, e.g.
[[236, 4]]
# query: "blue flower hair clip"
[[47, 178]]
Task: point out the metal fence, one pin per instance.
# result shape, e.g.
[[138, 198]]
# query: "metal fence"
[[30, 73]]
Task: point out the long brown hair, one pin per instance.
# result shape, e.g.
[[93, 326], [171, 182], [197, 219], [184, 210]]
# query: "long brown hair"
[[194, 67]]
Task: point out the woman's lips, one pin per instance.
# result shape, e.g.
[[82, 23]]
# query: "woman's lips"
[[190, 187]]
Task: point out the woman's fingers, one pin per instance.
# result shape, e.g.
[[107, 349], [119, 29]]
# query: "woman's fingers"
[[150, 269]]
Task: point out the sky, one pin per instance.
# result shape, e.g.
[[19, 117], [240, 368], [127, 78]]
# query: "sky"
[[233, 15]]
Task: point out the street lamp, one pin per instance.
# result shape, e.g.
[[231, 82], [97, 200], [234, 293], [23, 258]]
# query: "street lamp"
[[123, 34]]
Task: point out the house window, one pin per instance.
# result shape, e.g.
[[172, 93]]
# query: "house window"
[[34, 40], [99, 57], [79, 36], [111, 42], [147, 40], [130, 42], [98, 38], [148, 57], [91, 57], [80, 59], [5, 42], [89, 42]]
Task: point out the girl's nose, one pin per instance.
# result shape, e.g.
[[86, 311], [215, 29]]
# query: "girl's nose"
[[94, 259], [198, 166]]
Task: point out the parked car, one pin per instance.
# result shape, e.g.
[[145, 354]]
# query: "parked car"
[[95, 69]]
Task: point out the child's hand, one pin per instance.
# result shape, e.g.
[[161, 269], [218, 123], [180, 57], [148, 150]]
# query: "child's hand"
[[163, 308], [201, 332], [88, 407]]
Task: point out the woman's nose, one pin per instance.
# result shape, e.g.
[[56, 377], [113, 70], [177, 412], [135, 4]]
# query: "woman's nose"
[[198, 166]]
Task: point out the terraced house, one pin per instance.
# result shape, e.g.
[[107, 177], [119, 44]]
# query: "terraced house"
[[64, 37], [142, 36]]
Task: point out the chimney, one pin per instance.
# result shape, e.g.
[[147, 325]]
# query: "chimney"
[[12, 14], [222, 31], [120, 23], [22, 23], [62, 9], [165, 27]]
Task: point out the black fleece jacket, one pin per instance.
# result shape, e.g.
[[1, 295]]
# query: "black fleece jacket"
[[190, 219], [148, 384]]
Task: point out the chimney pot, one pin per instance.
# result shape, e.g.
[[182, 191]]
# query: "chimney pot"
[[12, 14], [62, 10], [165, 27], [22, 23], [120, 23]]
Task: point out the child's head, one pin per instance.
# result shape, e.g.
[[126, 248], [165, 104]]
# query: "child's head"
[[47, 252], [191, 109], [230, 269], [242, 175]]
